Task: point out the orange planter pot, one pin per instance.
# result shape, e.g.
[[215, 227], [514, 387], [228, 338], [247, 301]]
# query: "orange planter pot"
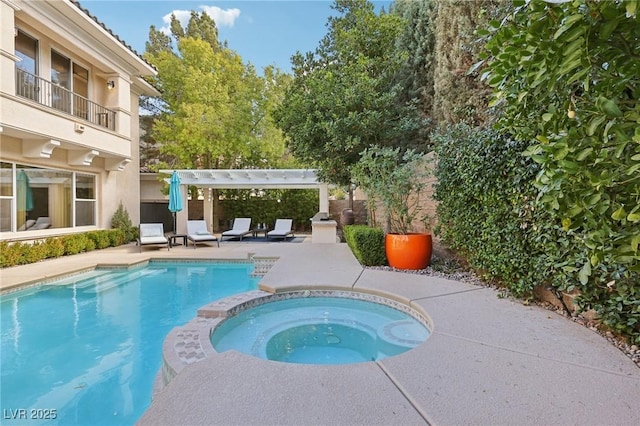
[[411, 251]]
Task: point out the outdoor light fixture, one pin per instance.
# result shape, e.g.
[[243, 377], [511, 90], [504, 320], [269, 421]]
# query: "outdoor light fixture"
[[111, 84]]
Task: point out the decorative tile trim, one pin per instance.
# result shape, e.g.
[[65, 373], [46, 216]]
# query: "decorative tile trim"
[[262, 265], [186, 345], [237, 305], [226, 307]]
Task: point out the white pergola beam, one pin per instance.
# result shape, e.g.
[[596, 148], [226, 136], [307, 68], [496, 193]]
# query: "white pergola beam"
[[249, 178]]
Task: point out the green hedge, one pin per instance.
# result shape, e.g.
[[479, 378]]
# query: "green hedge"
[[488, 210], [19, 253], [366, 243], [565, 81], [486, 206], [296, 204]]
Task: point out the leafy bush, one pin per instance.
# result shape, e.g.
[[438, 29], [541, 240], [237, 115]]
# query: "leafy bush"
[[566, 81], [121, 220], [117, 237], [77, 243], [486, 206], [366, 243], [11, 253], [55, 247], [37, 251], [19, 253], [100, 238], [396, 179]]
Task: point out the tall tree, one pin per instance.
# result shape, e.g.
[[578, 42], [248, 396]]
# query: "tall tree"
[[418, 40], [215, 111], [458, 95], [344, 96]]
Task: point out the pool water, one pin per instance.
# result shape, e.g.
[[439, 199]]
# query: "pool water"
[[90, 346], [320, 330]]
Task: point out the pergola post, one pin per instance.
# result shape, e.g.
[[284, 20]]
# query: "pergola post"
[[324, 197], [183, 215], [208, 208]]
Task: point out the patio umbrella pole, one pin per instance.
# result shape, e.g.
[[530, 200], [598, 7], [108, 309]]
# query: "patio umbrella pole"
[[175, 199]]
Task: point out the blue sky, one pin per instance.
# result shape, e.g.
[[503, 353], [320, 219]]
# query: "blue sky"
[[263, 32]]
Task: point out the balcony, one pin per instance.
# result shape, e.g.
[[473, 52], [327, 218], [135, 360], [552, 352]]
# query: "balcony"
[[53, 96]]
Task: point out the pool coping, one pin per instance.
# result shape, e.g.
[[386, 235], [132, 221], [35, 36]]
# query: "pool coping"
[[262, 264]]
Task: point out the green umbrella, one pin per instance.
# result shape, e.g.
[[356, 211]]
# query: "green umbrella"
[[24, 197], [175, 197]]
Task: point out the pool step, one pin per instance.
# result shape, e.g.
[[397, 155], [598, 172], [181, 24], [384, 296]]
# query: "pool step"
[[81, 280], [109, 282]]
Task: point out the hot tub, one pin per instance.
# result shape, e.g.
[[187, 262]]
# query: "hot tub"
[[318, 328]]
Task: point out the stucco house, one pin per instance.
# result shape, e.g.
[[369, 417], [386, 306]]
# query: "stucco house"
[[69, 124]]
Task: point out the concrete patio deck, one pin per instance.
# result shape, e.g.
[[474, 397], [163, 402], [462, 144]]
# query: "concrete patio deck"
[[488, 360]]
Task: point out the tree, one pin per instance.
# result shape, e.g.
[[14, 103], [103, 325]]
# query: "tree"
[[418, 40], [458, 95], [215, 111], [566, 78], [344, 97]]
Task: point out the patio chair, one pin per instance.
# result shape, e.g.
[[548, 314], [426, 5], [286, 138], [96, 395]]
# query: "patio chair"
[[241, 227], [197, 232], [282, 229], [43, 222], [151, 234]]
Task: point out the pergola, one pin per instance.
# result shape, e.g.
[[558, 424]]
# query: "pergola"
[[246, 179]]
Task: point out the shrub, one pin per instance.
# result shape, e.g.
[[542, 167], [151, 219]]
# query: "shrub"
[[396, 179], [35, 252], [299, 205], [10, 253], [77, 243], [366, 243], [19, 253], [565, 82], [131, 234], [121, 220], [55, 247], [117, 237], [486, 207], [100, 238]]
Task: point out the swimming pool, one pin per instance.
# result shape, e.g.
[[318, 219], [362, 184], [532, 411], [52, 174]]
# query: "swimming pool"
[[90, 346]]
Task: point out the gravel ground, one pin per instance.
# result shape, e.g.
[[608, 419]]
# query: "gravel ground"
[[444, 265]]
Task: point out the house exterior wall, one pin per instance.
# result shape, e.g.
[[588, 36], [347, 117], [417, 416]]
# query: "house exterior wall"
[[64, 139]]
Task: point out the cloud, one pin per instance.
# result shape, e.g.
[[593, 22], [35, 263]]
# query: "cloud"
[[222, 17]]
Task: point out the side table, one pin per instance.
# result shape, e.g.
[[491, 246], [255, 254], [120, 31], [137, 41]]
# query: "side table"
[[255, 232], [174, 237]]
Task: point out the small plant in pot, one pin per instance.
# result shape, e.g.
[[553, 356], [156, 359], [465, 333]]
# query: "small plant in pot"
[[395, 181]]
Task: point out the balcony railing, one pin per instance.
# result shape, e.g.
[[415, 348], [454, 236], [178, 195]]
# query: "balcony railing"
[[46, 93]]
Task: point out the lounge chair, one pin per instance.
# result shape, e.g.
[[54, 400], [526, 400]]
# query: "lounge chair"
[[282, 229], [27, 225], [152, 233], [43, 222], [241, 227], [198, 233]]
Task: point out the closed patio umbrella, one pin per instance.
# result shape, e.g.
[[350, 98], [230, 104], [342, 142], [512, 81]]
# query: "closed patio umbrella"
[[24, 197], [175, 197]]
